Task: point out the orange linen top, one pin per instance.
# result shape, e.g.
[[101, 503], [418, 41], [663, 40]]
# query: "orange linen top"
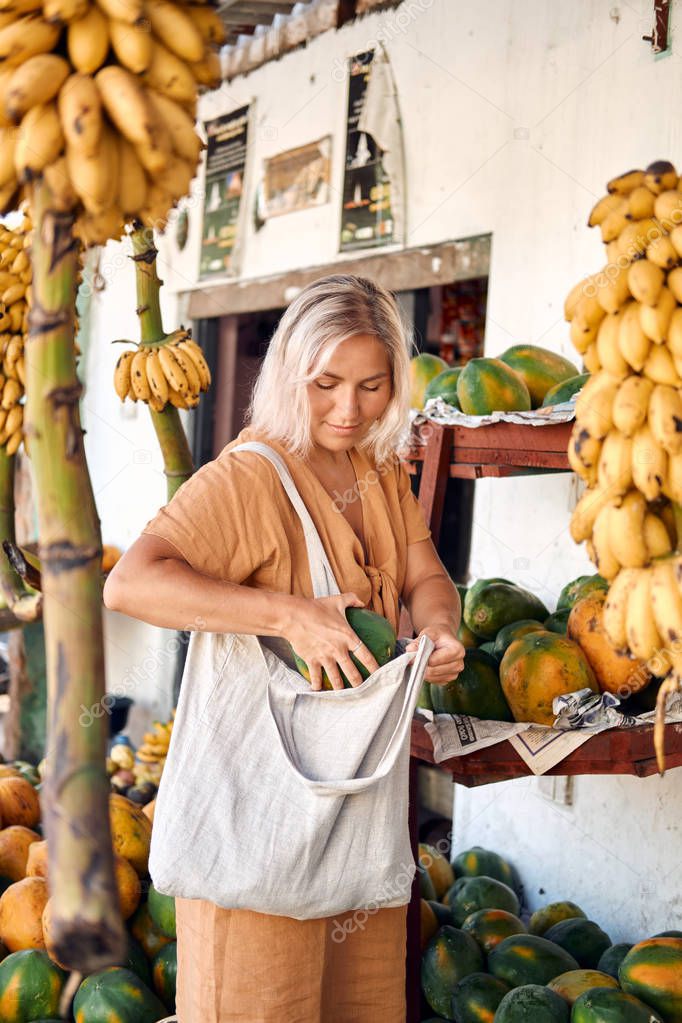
[[232, 520]]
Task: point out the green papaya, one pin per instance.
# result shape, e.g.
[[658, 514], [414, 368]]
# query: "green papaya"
[[578, 588], [476, 691], [498, 604], [374, 631], [565, 390], [508, 633], [558, 621]]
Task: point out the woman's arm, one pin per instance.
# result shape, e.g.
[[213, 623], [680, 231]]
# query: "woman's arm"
[[435, 610], [154, 583]]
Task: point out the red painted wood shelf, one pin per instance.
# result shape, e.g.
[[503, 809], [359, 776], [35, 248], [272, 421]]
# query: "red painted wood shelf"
[[615, 751], [500, 450]]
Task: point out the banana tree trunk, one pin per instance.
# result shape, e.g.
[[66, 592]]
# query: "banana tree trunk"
[[88, 930], [177, 458]]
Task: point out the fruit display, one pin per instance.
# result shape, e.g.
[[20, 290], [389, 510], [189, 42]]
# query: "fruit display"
[[142, 989], [626, 321], [519, 656], [553, 966], [171, 371], [136, 773], [523, 377], [104, 97]]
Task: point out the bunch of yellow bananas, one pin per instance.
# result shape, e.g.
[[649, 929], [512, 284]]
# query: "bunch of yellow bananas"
[[626, 444], [104, 95], [150, 757], [174, 371], [15, 294]]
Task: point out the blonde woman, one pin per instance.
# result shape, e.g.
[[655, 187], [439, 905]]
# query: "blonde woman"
[[228, 553]]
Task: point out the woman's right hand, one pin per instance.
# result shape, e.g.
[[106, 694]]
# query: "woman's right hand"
[[321, 636]]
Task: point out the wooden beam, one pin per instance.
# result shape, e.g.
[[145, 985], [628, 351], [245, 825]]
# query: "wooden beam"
[[398, 271]]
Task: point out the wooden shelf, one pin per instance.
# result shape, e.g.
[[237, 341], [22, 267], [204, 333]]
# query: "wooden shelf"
[[615, 751], [498, 451]]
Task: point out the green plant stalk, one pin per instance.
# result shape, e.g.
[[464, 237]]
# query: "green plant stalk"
[[88, 930], [177, 457], [26, 606]]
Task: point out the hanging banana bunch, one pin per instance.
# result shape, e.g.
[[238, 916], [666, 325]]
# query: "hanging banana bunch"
[[104, 96], [15, 302], [15, 282], [626, 444], [172, 370]]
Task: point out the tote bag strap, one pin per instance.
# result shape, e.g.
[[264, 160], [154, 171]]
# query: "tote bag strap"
[[394, 745], [321, 573]]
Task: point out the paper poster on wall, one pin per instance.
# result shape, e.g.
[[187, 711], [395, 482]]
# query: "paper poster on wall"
[[372, 187], [225, 164], [297, 179]]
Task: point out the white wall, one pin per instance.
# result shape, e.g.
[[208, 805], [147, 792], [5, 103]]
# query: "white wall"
[[515, 113]]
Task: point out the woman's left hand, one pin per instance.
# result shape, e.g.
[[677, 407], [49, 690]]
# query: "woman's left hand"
[[446, 660]]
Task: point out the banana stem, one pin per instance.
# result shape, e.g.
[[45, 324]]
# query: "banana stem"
[[88, 930], [27, 567], [26, 606], [177, 457]]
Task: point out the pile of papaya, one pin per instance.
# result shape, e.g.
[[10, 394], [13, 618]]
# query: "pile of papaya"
[[519, 657], [522, 378], [486, 959], [142, 988]]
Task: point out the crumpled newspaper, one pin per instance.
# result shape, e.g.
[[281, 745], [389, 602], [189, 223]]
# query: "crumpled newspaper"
[[579, 716], [587, 709], [438, 411]]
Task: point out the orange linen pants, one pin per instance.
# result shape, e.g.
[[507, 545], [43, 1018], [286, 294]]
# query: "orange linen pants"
[[236, 966]]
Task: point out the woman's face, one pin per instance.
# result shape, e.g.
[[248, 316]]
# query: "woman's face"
[[350, 394]]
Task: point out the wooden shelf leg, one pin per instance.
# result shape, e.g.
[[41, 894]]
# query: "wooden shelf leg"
[[413, 960], [434, 478]]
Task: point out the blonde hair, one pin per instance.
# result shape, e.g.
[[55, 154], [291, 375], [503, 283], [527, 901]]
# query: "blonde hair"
[[327, 312]]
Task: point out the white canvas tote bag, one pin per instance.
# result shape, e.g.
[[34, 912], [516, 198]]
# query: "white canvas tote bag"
[[279, 799]]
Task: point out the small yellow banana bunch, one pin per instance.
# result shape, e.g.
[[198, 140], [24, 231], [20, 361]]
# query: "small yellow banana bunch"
[[626, 444], [15, 294], [173, 371], [150, 757], [98, 97]]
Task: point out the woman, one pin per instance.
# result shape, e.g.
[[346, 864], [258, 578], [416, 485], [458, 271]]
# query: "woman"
[[227, 555]]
